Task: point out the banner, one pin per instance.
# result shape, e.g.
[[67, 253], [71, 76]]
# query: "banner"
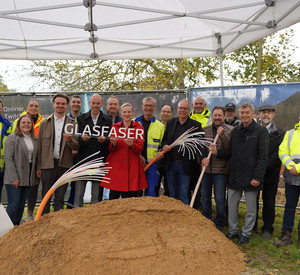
[[256, 94]]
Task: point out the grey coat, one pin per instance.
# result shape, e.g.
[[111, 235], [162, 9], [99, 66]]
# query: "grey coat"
[[17, 162]]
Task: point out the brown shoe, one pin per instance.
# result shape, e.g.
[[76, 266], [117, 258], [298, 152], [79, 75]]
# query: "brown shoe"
[[286, 238]]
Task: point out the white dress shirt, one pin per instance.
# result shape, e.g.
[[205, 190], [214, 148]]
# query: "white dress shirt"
[[58, 126]]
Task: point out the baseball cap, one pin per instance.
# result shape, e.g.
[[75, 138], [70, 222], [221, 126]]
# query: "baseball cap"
[[230, 106]]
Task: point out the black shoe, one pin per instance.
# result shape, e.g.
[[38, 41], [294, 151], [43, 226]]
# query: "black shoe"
[[267, 235], [285, 239], [243, 240], [231, 236]]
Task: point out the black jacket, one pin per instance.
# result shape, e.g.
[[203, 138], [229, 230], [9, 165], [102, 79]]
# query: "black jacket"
[[189, 165], [274, 164], [249, 155], [236, 122], [92, 146]]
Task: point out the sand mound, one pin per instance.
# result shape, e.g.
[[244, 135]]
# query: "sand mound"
[[127, 236]]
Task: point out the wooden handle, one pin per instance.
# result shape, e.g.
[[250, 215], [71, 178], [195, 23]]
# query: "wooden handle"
[[201, 175]]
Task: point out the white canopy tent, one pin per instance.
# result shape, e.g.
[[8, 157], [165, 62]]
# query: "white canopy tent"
[[134, 29]]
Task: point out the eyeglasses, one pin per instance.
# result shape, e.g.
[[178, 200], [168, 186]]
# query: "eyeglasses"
[[183, 108], [149, 106]]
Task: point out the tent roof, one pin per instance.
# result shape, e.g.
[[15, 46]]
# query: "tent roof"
[[134, 29]]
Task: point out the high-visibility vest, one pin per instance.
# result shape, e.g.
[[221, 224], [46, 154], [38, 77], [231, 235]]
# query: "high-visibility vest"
[[289, 154], [203, 117], [5, 130], [154, 137]]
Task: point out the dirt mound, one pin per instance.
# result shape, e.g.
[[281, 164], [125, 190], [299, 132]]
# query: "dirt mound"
[[127, 236]]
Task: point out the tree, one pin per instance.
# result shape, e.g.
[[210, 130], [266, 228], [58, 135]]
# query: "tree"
[[144, 74], [268, 60], [3, 87]]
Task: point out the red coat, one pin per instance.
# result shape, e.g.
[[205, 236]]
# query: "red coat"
[[127, 172]]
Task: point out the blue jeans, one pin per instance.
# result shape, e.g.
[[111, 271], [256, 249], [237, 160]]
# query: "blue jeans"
[[219, 183], [292, 193], [152, 179], [16, 198], [178, 182]]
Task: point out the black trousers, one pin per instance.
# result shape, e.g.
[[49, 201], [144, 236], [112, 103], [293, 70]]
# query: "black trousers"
[[49, 177], [268, 212]]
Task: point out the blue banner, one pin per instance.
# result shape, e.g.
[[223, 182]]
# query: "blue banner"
[[256, 94]]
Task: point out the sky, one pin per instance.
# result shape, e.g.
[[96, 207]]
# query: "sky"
[[12, 71]]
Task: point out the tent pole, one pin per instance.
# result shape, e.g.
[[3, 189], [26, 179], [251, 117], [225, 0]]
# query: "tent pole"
[[221, 70], [219, 53]]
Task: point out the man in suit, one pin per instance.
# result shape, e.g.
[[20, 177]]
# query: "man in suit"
[[91, 142], [55, 150], [179, 167]]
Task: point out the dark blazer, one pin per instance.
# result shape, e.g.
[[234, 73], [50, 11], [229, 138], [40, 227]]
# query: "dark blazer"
[[189, 165], [92, 146], [249, 156], [17, 162]]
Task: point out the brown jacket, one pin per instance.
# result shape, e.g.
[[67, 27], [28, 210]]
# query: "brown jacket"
[[45, 148], [218, 165]]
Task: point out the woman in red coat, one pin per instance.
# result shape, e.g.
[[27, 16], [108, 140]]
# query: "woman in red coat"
[[126, 143]]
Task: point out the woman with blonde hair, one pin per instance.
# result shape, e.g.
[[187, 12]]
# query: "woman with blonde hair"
[[127, 174], [20, 157], [33, 109]]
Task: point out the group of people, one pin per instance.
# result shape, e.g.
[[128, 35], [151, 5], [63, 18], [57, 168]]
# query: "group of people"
[[246, 158]]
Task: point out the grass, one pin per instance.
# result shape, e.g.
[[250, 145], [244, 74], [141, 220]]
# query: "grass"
[[263, 256]]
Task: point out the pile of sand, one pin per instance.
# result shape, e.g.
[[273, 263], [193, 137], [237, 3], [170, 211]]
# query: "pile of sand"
[[127, 236]]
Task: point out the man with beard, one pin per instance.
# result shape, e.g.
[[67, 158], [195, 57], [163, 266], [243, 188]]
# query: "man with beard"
[[271, 178], [230, 117], [217, 169]]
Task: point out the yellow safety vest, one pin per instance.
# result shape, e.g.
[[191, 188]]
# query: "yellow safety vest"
[[2, 140], [203, 117], [154, 137], [289, 149]]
